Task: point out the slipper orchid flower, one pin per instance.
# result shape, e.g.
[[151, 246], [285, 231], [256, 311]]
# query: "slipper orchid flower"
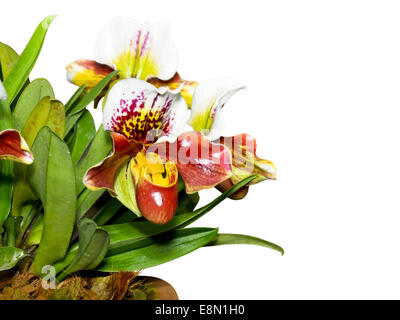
[[12, 145], [143, 51], [149, 151], [209, 98]]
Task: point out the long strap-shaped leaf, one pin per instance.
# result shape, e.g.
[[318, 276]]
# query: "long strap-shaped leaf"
[[95, 152], [230, 238], [20, 73], [132, 235], [86, 202], [52, 179], [76, 112], [165, 247], [92, 94], [84, 131], [75, 97], [129, 235]]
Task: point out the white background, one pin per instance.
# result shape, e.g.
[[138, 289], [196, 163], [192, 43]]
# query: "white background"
[[323, 101]]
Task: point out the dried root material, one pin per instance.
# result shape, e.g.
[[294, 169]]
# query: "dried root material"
[[23, 285]]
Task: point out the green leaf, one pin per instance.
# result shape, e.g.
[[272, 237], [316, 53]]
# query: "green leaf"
[[230, 238], [76, 111], [203, 210], [28, 212], [187, 202], [20, 73], [92, 94], [13, 230], [47, 112], [93, 245], [98, 149], [127, 216], [52, 178], [165, 247], [6, 166], [6, 185], [108, 211], [87, 201], [8, 58], [22, 192], [30, 97], [75, 97], [84, 132], [127, 236], [35, 234], [9, 257], [70, 122]]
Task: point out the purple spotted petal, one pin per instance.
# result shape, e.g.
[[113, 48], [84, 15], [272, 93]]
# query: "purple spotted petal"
[[143, 113]]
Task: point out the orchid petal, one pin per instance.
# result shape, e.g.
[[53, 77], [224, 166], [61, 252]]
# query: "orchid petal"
[[87, 72], [103, 174], [138, 51], [14, 147], [208, 100], [187, 87], [156, 183], [125, 189], [245, 162], [201, 163], [143, 113]]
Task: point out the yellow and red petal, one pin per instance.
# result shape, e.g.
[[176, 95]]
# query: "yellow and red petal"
[[142, 112], [156, 183], [13, 147], [103, 174], [245, 161], [87, 72], [138, 50], [201, 163], [187, 87]]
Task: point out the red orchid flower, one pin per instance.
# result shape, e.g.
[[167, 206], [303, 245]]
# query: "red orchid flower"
[[149, 152]]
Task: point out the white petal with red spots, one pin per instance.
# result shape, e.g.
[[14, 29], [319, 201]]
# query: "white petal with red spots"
[[143, 113], [138, 50]]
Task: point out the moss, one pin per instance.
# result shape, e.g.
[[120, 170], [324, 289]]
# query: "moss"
[[23, 285]]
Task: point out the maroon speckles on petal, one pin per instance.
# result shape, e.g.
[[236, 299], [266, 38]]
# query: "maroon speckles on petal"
[[145, 44], [143, 117]]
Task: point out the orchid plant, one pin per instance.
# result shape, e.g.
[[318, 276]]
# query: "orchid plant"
[[138, 114], [119, 197]]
